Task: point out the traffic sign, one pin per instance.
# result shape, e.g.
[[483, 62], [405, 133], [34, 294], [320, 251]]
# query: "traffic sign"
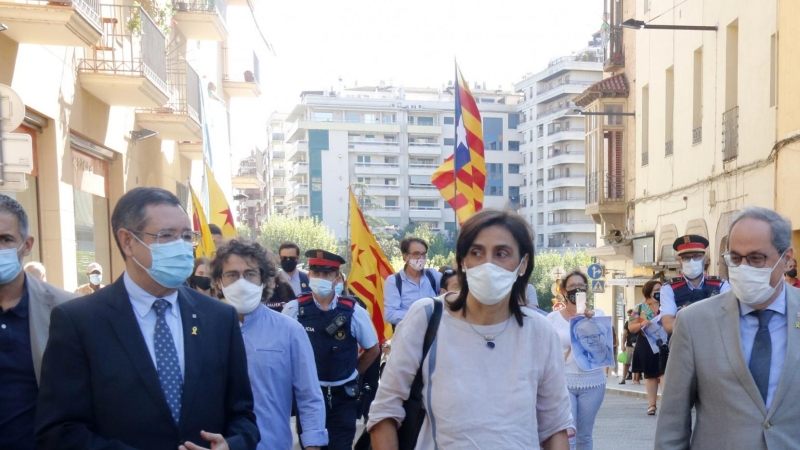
[[557, 272], [598, 286], [595, 271], [12, 110]]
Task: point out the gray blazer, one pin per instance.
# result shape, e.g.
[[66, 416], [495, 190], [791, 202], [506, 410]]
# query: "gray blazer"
[[42, 298], [707, 371]]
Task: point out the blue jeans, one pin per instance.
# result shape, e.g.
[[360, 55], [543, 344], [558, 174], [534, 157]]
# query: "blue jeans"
[[585, 404]]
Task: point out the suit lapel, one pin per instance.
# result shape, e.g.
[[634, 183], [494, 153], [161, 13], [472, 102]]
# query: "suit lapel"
[[123, 320], [40, 305], [732, 341], [792, 360], [195, 339]]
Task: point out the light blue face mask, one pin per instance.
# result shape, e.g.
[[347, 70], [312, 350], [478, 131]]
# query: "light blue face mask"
[[9, 264], [320, 286], [338, 289], [172, 263]]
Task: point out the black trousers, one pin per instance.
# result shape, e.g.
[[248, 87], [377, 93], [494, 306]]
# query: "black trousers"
[[341, 413]]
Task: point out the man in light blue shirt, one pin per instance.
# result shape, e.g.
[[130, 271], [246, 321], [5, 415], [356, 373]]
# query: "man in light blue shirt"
[[414, 282], [280, 360]]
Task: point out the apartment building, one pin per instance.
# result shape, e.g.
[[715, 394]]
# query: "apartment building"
[[248, 183], [386, 142], [116, 95], [554, 177]]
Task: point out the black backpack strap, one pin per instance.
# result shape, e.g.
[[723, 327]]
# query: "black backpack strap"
[[432, 279], [399, 283], [430, 335]]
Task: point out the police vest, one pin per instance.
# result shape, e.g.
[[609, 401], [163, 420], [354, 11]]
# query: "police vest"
[[684, 295], [304, 289], [335, 347]]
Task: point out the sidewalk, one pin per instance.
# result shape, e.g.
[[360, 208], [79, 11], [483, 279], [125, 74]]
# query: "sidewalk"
[[628, 389]]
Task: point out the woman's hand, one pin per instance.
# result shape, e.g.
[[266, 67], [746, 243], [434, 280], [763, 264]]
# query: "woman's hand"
[[646, 323], [588, 313]]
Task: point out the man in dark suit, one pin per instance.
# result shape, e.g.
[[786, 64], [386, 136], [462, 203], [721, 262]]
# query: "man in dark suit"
[[144, 363]]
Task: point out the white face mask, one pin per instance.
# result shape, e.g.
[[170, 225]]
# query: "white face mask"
[[692, 269], [417, 264], [243, 295], [95, 279], [490, 284], [751, 284]]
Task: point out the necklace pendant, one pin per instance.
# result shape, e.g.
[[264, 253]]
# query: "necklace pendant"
[[490, 344]]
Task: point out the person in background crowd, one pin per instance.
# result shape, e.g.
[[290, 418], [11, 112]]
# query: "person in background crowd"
[[791, 274], [628, 343], [280, 360], [495, 381], [282, 292], [105, 384], [216, 234], [734, 359], [586, 388], [449, 282], [412, 283], [644, 360], [25, 306], [289, 253], [336, 326], [95, 274], [36, 270], [693, 285], [201, 278]]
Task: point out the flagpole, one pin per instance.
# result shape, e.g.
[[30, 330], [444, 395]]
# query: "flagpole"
[[455, 147]]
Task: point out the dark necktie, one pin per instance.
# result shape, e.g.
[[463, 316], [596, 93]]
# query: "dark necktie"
[[761, 356], [167, 364]]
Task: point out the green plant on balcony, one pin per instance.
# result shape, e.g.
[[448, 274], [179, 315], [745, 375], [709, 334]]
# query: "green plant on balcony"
[[134, 24], [161, 12]]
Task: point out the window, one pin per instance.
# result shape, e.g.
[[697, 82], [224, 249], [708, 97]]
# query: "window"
[[364, 159], [277, 136], [773, 70], [390, 181], [669, 113], [697, 101], [352, 117], [513, 146], [494, 179], [486, 100], [732, 66], [353, 137], [492, 133], [322, 116], [449, 141], [513, 168], [369, 137], [390, 160], [513, 121], [389, 138], [370, 118], [450, 226], [426, 204], [425, 121], [447, 205], [363, 180], [416, 180], [513, 196], [449, 120], [389, 118], [614, 108], [411, 120], [391, 201], [645, 124]]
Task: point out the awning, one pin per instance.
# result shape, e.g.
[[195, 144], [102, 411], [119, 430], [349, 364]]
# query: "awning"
[[631, 281]]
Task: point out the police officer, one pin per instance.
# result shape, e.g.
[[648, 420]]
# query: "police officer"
[[336, 326], [693, 285]]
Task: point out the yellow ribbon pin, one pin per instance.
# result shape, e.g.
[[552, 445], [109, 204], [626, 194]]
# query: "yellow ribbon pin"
[[194, 329], [797, 324]]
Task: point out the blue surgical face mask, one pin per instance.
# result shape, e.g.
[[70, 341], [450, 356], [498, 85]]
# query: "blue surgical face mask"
[[9, 264], [172, 263], [320, 286], [338, 289]]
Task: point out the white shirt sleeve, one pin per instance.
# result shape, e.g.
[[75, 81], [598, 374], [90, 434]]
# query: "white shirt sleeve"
[[667, 305], [362, 329], [290, 309]]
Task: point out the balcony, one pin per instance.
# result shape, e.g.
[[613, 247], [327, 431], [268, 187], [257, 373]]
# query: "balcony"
[[299, 171], [279, 191], [558, 111], [560, 88], [425, 128], [382, 190], [586, 225], [566, 157], [179, 119], [566, 134], [730, 134], [614, 50], [74, 23], [129, 66], [298, 151], [374, 147], [385, 211], [424, 212], [278, 172], [605, 197], [243, 74], [248, 178], [423, 191], [377, 169], [425, 149], [562, 203], [201, 20], [422, 169], [561, 180], [191, 150], [298, 190], [697, 135]]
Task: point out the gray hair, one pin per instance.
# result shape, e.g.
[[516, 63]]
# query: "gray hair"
[[781, 226], [35, 268], [11, 206]]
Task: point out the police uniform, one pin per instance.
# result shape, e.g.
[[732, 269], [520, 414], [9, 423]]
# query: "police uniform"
[[335, 334]]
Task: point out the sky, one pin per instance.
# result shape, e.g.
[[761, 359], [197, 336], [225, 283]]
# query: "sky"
[[413, 42]]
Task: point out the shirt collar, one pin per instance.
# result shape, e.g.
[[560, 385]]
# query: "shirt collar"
[[691, 286], [334, 302], [288, 277], [142, 301], [779, 305], [254, 316]]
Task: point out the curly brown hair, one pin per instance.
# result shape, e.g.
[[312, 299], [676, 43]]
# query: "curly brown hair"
[[248, 250]]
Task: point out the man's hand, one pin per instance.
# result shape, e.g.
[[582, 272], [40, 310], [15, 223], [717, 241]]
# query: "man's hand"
[[217, 442]]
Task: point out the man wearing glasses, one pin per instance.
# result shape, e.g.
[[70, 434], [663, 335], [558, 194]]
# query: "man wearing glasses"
[[694, 285], [734, 358], [410, 284], [144, 363]]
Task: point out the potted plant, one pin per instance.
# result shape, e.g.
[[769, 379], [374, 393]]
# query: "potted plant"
[[134, 24]]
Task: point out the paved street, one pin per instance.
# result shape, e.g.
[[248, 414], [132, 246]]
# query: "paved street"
[[623, 424]]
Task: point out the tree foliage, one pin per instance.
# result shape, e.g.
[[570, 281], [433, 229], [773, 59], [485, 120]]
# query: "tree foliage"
[[307, 232], [441, 246], [544, 263], [244, 231]]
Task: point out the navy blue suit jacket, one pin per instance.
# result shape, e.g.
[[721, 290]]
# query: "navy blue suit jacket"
[[100, 388]]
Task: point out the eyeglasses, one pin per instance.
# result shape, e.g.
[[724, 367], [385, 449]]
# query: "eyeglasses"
[[733, 259], [165, 237], [590, 337], [692, 257], [576, 286], [449, 272], [252, 276], [418, 255]]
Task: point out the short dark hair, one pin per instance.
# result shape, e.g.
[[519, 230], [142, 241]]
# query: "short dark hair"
[[11, 206], [405, 244], [446, 276], [248, 250], [520, 230], [630, 311], [572, 274], [130, 210], [288, 244], [647, 289], [214, 229]]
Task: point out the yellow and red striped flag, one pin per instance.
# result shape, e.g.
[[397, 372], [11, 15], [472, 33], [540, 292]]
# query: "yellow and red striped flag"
[[205, 248], [461, 178], [369, 269]]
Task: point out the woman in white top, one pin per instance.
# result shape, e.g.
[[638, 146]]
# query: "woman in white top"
[[492, 377], [586, 388]]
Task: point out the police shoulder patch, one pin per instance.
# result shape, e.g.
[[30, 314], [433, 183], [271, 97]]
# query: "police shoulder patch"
[[675, 280]]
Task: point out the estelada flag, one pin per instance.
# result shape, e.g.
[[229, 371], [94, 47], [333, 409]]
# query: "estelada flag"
[[219, 212], [205, 248], [369, 269], [461, 178]]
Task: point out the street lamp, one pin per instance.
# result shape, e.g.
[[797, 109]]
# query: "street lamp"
[[641, 25]]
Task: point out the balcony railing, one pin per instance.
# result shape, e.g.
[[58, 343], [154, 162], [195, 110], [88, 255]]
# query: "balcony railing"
[[613, 49], [558, 130], [561, 107], [539, 182], [570, 222], [613, 184], [127, 50], [697, 135], [379, 165], [239, 65], [558, 176], [565, 199], [730, 134], [645, 158], [559, 152], [185, 85], [668, 148], [582, 57], [203, 6], [563, 82]]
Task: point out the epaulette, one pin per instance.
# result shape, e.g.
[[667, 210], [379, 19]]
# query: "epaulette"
[[676, 280], [349, 302], [714, 279]]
